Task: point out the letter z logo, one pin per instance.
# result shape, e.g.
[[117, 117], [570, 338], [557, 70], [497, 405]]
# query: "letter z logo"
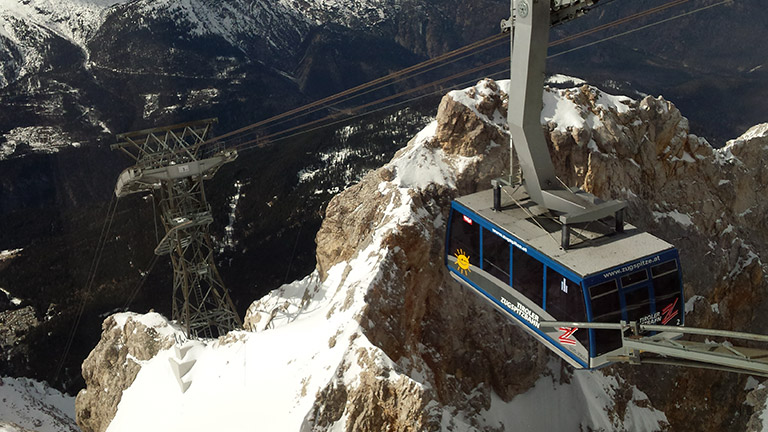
[[669, 312], [565, 338]]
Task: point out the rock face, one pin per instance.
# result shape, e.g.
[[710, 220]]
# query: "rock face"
[[418, 317], [410, 350], [126, 341], [14, 325]]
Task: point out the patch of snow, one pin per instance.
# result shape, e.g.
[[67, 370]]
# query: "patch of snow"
[[689, 305], [715, 308], [420, 165], [307, 174], [584, 402], [40, 139], [565, 79], [229, 230], [562, 111], [757, 131], [471, 96], [743, 262], [202, 97], [9, 253], [681, 218], [751, 383], [151, 104], [14, 301], [344, 133], [592, 145], [152, 319], [686, 158], [620, 104], [725, 154], [33, 405], [565, 113]]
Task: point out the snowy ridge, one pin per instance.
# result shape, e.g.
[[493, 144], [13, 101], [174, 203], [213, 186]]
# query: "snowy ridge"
[[755, 132], [71, 20], [26, 27], [233, 21], [560, 108], [282, 24], [31, 405]]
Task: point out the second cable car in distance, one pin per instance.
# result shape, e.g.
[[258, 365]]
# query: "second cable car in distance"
[[501, 242]]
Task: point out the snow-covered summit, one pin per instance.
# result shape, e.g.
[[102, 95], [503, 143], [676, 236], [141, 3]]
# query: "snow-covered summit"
[[72, 20], [28, 26], [756, 132]]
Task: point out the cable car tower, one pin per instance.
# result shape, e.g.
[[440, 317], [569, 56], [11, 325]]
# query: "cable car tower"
[[613, 293], [170, 163]]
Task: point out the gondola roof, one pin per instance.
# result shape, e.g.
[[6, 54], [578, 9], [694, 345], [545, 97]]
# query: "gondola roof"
[[594, 248]]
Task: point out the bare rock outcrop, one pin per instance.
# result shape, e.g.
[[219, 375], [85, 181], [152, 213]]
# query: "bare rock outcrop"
[[127, 339]]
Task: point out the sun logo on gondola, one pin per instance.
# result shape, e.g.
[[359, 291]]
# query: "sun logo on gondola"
[[462, 262]]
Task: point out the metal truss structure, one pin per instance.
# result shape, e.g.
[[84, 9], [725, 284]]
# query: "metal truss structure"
[[170, 162]]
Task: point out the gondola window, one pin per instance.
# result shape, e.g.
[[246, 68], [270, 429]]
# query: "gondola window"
[[496, 256], [606, 307], [465, 238], [527, 276], [565, 302], [666, 281]]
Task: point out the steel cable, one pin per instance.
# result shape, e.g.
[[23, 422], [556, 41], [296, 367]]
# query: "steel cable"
[[105, 229], [337, 98]]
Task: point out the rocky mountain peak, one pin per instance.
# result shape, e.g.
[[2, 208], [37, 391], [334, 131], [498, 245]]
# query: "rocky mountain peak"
[[380, 337], [127, 340]]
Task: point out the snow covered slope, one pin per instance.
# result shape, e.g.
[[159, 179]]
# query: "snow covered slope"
[[28, 405], [28, 26]]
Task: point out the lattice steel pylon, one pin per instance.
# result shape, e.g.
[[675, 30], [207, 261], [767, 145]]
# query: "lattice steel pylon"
[[170, 162]]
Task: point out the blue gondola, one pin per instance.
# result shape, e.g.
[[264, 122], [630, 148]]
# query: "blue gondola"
[[513, 259]]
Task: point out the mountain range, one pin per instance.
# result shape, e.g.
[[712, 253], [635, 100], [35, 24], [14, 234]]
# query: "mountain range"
[[73, 73]]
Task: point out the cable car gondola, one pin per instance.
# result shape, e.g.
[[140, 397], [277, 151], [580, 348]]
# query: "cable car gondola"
[[512, 259]]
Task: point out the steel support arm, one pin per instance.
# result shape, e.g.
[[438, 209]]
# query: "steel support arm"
[[530, 38]]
